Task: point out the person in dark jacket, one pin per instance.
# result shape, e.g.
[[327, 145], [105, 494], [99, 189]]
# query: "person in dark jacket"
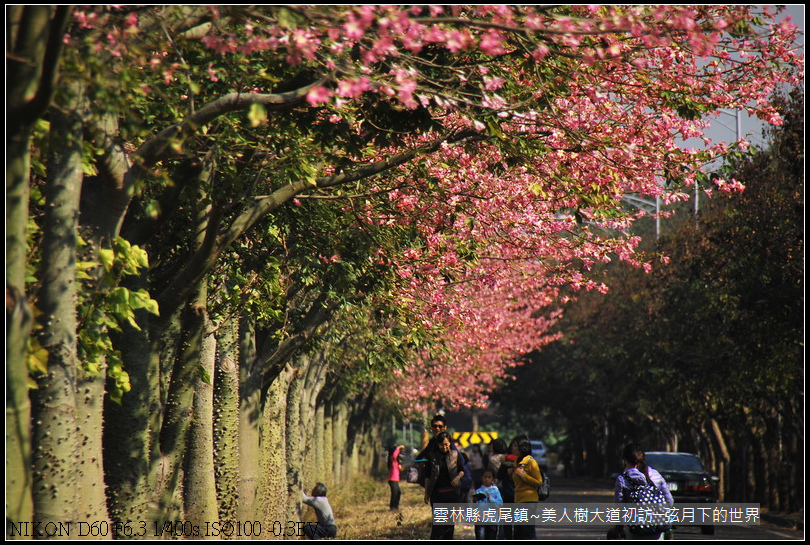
[[446, 471]]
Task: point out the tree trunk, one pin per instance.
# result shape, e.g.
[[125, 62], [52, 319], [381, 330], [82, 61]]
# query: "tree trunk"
[[199, 490], [725, 457], [32, 59], [92, 490], [328, 439], [340, 441], [56, 449], [19, 502], [321, 447], [295, 442], [274, 456], [130, 429], [313, 383], [178, 414], [249, 420], [226, 420]]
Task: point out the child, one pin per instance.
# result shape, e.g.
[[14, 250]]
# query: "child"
[[487, 493], [326, 526]]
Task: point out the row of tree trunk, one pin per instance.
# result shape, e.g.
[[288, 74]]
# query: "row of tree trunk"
[[755, 463], [180, 447], [214, 429]]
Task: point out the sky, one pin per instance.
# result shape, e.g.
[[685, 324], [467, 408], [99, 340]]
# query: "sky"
[[724, 128]]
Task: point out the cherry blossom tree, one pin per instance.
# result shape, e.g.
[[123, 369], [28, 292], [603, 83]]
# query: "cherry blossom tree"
[[560, 134]]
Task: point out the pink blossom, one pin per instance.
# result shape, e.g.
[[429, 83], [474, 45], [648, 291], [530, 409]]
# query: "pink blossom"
[[353, 29], [318, 95], [212, 74], [540, 53], [729, 186], [354, 87], [493, 84], [492, 43]]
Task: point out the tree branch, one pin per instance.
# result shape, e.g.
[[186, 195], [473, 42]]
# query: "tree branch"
[[203, 261], [160, 146], [34, 108]]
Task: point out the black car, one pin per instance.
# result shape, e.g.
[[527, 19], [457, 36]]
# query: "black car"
[[687, 478]]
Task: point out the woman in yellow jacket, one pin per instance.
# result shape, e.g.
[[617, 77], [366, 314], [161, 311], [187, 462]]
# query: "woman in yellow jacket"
[[527, 478]]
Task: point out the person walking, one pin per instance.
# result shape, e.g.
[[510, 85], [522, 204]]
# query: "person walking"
[[476, 462], [638, 473], [394, 468], [507, 485]]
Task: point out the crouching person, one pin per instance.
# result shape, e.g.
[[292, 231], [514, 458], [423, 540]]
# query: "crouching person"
[[326, 526]]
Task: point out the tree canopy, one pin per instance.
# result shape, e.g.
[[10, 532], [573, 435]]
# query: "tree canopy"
[[439, 174], [494, 143]]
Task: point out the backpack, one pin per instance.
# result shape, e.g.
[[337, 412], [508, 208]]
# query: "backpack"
[[648, 495], [544, 489]]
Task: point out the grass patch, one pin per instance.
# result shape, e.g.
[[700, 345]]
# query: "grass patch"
[[361, 511]]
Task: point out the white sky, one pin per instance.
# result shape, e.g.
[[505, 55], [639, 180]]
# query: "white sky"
[[724, 129]]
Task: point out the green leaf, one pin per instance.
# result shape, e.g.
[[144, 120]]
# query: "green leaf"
[[141, 299], [205, 376], [537, 190], [37, 356], [257, 114], [153, 209], [107, 258], [82, 267]]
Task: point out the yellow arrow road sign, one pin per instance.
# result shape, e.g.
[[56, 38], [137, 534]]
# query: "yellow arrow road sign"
[[466, 438]]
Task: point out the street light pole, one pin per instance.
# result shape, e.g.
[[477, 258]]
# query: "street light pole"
[[737, 133]]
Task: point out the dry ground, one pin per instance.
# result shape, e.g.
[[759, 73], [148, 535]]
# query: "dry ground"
[[362, 513]]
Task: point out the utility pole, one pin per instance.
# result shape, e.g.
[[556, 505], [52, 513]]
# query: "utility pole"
[[737, 135]]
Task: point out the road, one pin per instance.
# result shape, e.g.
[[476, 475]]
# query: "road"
[[582, 490]]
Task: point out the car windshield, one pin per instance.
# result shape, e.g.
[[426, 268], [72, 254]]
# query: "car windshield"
[[670, 462]]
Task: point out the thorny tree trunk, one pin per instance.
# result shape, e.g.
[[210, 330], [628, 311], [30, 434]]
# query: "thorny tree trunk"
[[226, 420], [55, 441], [295, 441], [313, 383], [34, 41], [249, 419], [199, 497], [328, 439], [321, 446], [131, 427], [179, 411], [182, 390], [274, 455], [199, 490], [92, 489], [340, 441]]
